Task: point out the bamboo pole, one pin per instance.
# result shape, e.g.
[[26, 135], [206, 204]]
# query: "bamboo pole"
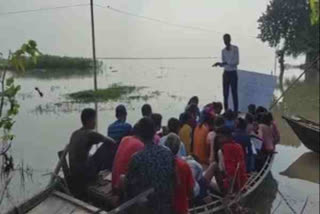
[[95, 84]]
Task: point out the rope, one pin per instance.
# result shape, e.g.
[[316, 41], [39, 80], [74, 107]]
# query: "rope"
[[155, 58], [167, 22], [285, 92], [41, 9]]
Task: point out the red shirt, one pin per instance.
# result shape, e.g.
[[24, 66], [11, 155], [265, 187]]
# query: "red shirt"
[[127, 148], [232, 155], [183, 188]]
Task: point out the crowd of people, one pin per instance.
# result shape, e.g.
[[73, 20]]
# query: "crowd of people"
[[199, 152]]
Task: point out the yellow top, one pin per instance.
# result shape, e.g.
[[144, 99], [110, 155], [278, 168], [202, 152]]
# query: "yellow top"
[[185, 136]]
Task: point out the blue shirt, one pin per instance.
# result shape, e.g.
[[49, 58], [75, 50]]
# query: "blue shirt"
[[119, 129]]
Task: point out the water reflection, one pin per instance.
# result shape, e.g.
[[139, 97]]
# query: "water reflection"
[[306, 167], [302, 99], [262, 199]]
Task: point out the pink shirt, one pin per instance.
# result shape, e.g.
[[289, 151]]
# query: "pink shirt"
[[156, 139], [127, 148], [276, 133]]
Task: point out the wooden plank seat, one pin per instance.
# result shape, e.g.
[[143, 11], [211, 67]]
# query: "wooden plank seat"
[[99, 192]]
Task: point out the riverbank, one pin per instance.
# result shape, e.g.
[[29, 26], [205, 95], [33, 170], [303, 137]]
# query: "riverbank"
[[56, 63]]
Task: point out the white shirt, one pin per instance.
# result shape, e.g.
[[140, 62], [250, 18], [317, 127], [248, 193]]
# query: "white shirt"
[[231, 57]]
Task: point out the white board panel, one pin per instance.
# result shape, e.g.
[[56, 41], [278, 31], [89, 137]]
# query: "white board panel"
[[254, 88]]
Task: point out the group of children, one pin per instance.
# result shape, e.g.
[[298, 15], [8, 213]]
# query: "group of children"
[[180, 160]]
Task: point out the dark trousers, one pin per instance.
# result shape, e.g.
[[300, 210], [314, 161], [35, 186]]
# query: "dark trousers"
[[101, 160], [230, 79]]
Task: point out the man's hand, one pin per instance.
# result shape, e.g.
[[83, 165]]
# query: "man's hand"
[[216, 64]]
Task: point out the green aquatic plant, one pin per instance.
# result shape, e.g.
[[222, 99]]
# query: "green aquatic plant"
[[114, 92], [60, 62]]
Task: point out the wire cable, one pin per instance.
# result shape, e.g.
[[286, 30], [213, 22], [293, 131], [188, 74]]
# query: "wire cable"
[[163, 21], [41, 9], [155, 58]]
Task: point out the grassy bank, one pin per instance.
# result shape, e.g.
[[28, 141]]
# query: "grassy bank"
[[55, 63], [58, 62], [114, 92]]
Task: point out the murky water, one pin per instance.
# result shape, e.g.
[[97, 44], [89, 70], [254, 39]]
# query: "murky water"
[[44, 125]]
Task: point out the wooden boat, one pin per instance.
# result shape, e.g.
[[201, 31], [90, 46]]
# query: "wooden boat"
[[306, 130], [253, 182], [56, 199]]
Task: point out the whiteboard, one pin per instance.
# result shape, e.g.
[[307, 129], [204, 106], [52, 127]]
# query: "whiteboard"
[[254, 88]]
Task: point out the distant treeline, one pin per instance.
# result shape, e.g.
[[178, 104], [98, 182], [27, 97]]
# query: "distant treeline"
[[57, 62]]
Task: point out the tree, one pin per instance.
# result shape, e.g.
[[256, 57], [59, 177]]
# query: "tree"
[[9, 106], [314, 5], [287, 23]]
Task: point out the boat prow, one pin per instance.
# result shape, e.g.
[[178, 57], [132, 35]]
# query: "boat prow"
[[306, 130]]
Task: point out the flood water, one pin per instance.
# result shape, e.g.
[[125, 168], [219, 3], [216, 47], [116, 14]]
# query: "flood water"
[[44, 124]]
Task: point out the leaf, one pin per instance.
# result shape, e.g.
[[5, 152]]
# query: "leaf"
[[9, 81]]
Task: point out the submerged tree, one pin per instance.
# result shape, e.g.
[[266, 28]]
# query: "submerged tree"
[[287, 23]]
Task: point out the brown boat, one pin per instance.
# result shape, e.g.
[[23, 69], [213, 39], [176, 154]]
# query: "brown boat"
[[306, 130]]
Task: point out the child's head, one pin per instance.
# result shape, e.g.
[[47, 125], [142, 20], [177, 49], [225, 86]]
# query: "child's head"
[[229, 115], [218, 122], [185, 118], [261, 109], [157, 119], [266, 118], [252, 109], [217, 107], [249, 118], [241, 124], [194, 100]]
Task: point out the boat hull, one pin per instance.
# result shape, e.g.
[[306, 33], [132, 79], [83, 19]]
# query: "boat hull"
[[307, 135]]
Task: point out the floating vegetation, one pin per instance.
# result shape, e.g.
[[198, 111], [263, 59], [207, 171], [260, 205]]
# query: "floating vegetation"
[[56, 62], [113, 93]]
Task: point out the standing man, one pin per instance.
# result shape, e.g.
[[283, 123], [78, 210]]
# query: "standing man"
[[230, 62]]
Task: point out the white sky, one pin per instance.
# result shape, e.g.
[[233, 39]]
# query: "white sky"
[[67, 31]]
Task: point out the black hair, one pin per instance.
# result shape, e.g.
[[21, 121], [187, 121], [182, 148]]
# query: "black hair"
[[146, 110], [145, 129], [252, 109], [270, 116], [249, 118], [184, 118], [192, 108], [241, 124], [217, 105], [121, 111], [88, 114], [261, 109], [227, 36], [229, 115], [224, 131], [266, 119], [219, 122], [157, 119], [174, 125], [258, 117], [193, 100]]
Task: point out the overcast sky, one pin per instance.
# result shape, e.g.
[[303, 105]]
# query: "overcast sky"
[[67, 31]]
